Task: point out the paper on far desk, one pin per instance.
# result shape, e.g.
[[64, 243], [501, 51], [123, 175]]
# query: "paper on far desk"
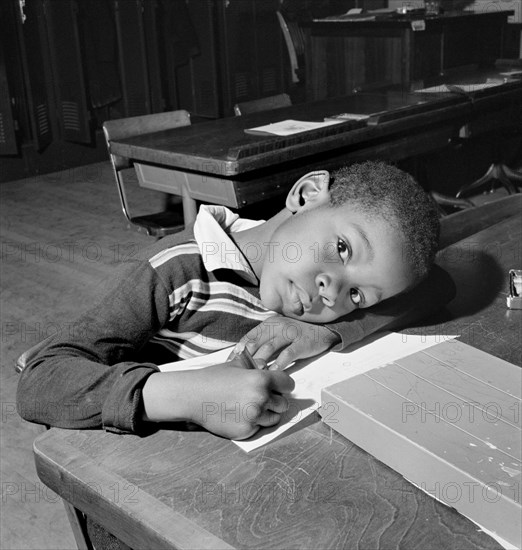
[[346, 17], [289, 127], [466, 88], [312, 375], [357, 14]]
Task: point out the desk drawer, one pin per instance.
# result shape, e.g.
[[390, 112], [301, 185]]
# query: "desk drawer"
[[202, 187]]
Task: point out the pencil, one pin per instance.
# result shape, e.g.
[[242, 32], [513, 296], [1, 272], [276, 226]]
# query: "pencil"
[[247, 361]]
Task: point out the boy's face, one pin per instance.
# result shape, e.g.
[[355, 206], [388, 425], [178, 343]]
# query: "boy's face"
[[326, 262]]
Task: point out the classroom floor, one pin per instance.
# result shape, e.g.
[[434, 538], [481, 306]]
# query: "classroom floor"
[[61, 233]]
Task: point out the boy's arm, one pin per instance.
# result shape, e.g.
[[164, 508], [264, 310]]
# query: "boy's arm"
[[286, 339], [202, 396], [88, 376]]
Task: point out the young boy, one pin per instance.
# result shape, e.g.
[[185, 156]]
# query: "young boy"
[[342, 244]]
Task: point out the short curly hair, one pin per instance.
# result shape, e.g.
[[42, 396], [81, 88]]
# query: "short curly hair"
[[385, 191]]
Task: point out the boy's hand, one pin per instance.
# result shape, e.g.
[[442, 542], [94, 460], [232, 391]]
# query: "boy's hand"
[[287, 340], [228, 401]]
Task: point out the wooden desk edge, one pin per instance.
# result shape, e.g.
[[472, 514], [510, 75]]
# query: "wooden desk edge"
[[66, 470], [462, 225]]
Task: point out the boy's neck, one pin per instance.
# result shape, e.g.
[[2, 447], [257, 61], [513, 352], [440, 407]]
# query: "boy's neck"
[[260, 234]]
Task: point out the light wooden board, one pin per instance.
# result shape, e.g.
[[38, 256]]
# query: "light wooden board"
[[448, 420]]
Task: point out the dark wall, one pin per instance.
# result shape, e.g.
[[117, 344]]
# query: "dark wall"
[[68, 65]]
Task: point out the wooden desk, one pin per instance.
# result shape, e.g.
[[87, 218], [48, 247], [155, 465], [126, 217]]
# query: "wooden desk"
[[310, 489], [402, 49], [217, 162]]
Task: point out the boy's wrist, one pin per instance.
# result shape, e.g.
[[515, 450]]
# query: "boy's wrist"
[[165, 398]]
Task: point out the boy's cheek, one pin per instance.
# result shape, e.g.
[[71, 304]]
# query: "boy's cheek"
[[270, 299]]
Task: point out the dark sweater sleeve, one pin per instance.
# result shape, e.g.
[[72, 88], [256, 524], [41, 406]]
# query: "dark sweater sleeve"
[[429, 296], [89, 377]]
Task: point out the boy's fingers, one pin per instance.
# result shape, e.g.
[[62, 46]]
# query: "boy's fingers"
[[261, 363], [260, 349], [260, 336], [235, 360], [281, 382], [252, 340], [285, 358], [266, 350], [278, 403], [268, 418]]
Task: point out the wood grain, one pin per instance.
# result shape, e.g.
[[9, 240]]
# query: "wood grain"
[[311, 490]]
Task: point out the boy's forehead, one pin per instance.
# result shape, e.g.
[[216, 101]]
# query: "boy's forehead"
[[349, 213], [355, 212], [372, 230]]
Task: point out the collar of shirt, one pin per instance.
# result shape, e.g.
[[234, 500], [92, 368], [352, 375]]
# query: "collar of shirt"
[[211, 230]]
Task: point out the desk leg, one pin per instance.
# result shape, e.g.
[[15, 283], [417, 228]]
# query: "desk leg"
[[77, 522], [189, 207]]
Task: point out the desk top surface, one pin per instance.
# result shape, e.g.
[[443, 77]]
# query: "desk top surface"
[[309, 489], [394, 19], [222, 147]]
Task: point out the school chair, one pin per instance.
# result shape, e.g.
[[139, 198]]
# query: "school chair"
[[446, 204], [263, 104], [498, 171], [295, 42], [449, 204], [156, 224], [88, 535]]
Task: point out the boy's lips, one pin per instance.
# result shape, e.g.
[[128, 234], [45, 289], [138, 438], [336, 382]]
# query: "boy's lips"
[[299, 299]]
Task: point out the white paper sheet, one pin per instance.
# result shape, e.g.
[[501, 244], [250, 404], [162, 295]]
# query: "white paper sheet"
[[464, 88], [290, 127], [312, 375]]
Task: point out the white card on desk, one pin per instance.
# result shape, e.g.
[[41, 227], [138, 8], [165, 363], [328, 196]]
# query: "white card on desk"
[[289, 127], [312, 375], [347, 116], [464, 88]]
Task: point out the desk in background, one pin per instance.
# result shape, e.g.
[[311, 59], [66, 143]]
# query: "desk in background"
[[217, 162], [309, 489], [398, 49]]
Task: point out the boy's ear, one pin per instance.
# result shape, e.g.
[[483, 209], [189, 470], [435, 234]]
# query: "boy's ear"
[[309, 191]]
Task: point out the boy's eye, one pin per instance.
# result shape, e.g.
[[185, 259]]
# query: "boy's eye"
[[355, 296], [344, 250]]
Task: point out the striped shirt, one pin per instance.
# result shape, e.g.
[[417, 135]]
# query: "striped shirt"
[[212, 290]]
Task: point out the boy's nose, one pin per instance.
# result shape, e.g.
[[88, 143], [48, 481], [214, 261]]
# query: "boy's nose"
[[328, 289]]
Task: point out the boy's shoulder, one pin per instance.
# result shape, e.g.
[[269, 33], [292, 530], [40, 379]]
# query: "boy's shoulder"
[[169, 242]]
